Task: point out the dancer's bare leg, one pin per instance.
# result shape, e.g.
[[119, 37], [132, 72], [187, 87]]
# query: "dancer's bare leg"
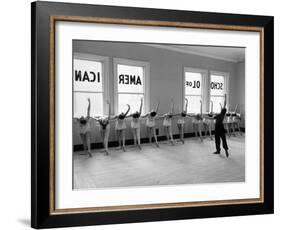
[[123, 140], [171, 135], [119, 139], [155, 137], [83, 139], [195, 129], [135, 136], [167, 133], [200, 132], [105, 143], [138, 137], [88, 140], [182, 133], [149, 131], [210, 131]]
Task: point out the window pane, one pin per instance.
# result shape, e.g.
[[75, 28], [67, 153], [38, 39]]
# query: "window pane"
[[80, 104], [193, 83], [217, 85], [130, 79], [193, 104], [216, 103], [87, 75], [133, 100]]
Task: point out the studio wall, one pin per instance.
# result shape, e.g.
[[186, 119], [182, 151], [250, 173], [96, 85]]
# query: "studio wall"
[[166, 79]]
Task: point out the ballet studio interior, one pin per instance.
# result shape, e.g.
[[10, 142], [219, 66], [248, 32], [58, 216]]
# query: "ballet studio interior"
[[157, 114]]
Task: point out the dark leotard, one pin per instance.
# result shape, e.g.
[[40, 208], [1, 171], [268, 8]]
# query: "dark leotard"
[[83, 121], [198, 117], [183, 114], [103, 123], [136, 115], [121, 117]]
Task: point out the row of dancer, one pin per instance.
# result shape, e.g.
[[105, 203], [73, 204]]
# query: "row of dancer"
[[120, 125], [206, 122]]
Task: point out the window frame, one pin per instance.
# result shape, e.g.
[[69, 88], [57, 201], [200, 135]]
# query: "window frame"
[[226, 76], [146, 79], [204, 74], [105, 79]]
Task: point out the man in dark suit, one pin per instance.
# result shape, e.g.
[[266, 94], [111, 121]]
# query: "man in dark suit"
[[220, 132]]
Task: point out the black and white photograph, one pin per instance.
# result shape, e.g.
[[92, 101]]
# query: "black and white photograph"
[[147, 114]]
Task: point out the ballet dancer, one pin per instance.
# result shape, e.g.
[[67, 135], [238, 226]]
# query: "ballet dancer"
[[135, 125], [226, 121], [196, 122], [237, 119], [150, 124], [230, 118], [104, 128], [167, 123], [120, 127], [85, 130], [207, 123], [181, 121]]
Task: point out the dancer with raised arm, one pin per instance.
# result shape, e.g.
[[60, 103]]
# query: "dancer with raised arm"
[[135, 125], [181, 121], [207, 123], [120, 127], [237, 119], [220, 131], [197, 121], [226, 121], [104, 128], [167, 123], [150, 124], [230, 120], [85, 130]]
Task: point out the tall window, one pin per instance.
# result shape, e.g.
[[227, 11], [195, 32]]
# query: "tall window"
[[130, 84], [88, 82], [217, 91], [193, 90]]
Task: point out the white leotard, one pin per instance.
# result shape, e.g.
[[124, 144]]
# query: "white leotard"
[[167, 122], [135, 123], [181, 120], [120, 124], [84, 128], [196, 121], [207, 121], [150, 121]]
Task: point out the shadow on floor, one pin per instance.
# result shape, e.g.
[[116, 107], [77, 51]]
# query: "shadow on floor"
[[25, 222]]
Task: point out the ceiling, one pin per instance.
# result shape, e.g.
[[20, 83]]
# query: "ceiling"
[[232, 54]]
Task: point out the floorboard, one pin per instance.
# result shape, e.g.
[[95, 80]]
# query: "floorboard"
[[190, 163]]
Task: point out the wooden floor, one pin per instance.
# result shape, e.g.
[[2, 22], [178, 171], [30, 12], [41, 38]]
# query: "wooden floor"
[[190, 163]]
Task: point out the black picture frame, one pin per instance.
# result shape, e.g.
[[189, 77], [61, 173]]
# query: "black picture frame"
[[43, 14]]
